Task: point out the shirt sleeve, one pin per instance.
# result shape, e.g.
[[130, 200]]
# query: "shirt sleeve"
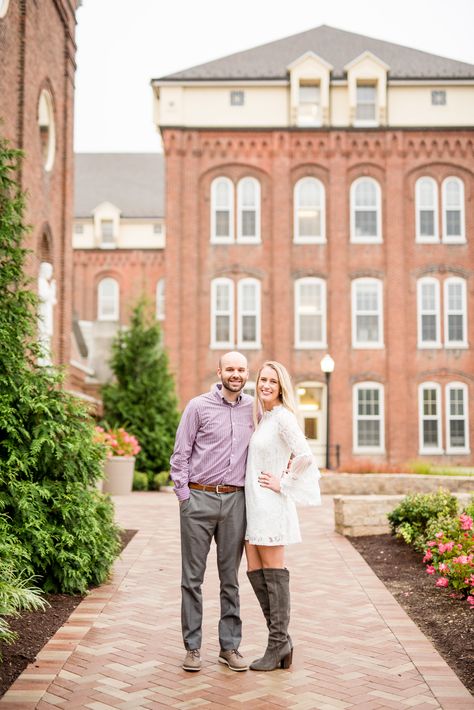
[[183, 447], [300, 480]]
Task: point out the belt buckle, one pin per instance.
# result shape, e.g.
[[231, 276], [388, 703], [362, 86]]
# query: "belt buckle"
[[217, 487]]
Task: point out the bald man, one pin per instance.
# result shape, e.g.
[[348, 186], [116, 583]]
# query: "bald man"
[[208, 470]]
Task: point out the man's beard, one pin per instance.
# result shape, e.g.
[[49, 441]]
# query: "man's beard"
[[233, 386]]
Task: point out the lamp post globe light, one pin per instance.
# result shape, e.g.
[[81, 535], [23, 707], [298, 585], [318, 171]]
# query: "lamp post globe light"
[[327, 366]]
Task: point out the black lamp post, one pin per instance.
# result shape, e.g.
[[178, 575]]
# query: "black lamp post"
[[327, 366]]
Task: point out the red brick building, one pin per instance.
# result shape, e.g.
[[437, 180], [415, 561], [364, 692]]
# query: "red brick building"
[[37, 53], [119, 241], [319, 198]]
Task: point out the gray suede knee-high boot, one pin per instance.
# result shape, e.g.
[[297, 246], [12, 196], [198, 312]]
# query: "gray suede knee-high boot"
[[259, 586], [278, 653]]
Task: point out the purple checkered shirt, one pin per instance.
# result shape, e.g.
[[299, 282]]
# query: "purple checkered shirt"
[[211, 442]]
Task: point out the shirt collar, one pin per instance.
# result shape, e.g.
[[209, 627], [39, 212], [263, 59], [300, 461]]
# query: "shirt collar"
[[218, 393]]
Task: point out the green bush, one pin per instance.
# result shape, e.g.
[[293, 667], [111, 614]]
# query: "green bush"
[[63, 528], [142, 398], [410, 518], [140, 481], [161, 479]]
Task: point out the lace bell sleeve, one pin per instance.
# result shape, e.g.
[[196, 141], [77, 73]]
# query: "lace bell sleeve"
[[300, 480]]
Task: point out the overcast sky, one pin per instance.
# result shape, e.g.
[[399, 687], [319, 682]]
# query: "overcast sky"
[[123, 44]]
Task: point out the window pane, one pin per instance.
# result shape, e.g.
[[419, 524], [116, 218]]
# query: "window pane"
[[452, 194], [455, 327], [249, 301], [309, 193], [222, 194], [222, 297], [427, 223], [309, 94], [368, 402], [426, 193], [366, 194], [430, 432], [428, 328], [366, 224], [453, 223], [249, 329], [369, 432], [428, 297], [249, 223], [222, 223], [310, 296], [107, 230], [455, 292], [310, 328], [456, 402], [457, 433], [311, 428], [367, 297], [430, 403], [222, 329], [309, 223]]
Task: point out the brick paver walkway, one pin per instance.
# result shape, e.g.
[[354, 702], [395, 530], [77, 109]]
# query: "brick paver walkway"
[[354, 646]]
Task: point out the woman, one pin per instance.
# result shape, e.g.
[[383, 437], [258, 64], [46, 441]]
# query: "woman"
[[280, 471]]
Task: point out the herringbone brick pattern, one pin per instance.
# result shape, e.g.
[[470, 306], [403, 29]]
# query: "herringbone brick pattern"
[[354, 646]]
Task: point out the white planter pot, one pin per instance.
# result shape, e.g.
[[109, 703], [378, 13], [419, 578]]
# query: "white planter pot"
[[118, 475]]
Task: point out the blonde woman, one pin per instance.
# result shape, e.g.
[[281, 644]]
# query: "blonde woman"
[[281, 471]]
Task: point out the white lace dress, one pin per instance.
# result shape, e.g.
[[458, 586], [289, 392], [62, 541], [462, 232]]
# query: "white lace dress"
[[271, 517]]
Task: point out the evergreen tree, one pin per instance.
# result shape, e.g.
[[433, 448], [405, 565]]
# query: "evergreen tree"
[[142, 397], [52, 513]]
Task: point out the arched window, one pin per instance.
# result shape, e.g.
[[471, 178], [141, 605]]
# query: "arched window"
[[366, 209], [108, 297], [248, 208], [457, 418], [310, 313], [248, 306], [46, 127], [428, 312], [453, 210], [455, 312], [160, 300], [367, 313], [429, 409], [368, 418], [309, 211], [426, 205], [222, 313], [222, 211]]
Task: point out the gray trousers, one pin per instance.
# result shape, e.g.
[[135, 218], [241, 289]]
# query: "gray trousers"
[[204, 516]]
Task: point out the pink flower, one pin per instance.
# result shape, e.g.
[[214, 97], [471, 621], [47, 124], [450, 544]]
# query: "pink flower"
[[447, 547], [442, 567], [459, 547], [430, 569], [428, 556], [442, 582], [439, 534], [431, 543], [466, 522], [470, 600]]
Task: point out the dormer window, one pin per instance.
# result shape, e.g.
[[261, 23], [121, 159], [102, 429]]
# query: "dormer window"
[[366, 106], [309, 104], [107, 233]]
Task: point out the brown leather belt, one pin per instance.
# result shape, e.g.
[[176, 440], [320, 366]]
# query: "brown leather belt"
[[220, 488]]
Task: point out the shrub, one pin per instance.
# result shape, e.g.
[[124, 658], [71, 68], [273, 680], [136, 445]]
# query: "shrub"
[[142, 396], [49, 462], [450, 554], [140, 481], [411, 516], [161, 479]]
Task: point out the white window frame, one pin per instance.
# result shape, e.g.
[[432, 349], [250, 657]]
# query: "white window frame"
[[449, 448], [434, 238], [215, 344], [160, 299], [214, 185], [357, 449], [114, 299], [367, 121], [256, 238], [302, 238], [455, 343], [460, 238], [363, 345], [241, 313], [377, 238], [299, 310], [313, 116], [428, 280], [431, 450]]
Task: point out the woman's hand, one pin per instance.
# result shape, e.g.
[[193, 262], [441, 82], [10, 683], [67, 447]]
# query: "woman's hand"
[[268, 480]]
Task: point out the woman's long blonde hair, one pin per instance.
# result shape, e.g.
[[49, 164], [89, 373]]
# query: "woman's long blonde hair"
[[286, 389]]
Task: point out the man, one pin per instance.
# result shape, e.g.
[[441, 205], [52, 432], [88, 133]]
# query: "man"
[[208, 470]]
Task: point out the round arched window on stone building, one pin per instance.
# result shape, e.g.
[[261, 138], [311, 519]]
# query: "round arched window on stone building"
[[46, 129], [3, 7]]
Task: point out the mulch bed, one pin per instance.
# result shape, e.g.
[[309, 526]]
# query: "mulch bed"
[[447, 622], [35, 628]]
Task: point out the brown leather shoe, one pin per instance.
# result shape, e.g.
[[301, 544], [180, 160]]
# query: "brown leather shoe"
[[192, 660], [233, 659]]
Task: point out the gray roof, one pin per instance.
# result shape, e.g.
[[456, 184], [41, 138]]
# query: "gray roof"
[[133, 182], [338, 47]]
